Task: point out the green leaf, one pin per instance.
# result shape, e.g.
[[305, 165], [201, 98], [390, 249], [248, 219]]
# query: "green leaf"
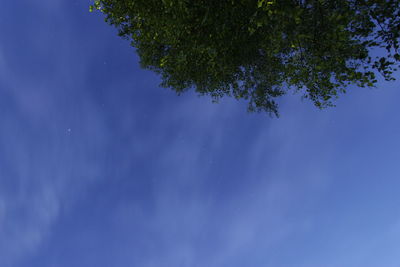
[[258, 51]]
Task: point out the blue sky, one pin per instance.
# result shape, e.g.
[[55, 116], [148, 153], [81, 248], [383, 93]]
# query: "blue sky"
[[101, 167]]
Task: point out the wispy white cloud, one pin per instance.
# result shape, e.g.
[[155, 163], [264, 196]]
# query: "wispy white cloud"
[[196, 217], [225, 185], [49, 143]]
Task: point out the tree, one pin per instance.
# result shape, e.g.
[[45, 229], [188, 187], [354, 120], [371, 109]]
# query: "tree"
[[258, 49]]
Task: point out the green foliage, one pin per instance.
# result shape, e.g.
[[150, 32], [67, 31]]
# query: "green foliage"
[[258, 50]]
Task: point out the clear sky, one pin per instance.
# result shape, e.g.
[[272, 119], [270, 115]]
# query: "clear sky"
[[101, 167]]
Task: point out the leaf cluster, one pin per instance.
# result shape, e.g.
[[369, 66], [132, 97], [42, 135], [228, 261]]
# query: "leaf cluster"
[[258, 49]]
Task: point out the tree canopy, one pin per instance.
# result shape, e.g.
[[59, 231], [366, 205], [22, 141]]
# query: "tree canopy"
[[258, 50]]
